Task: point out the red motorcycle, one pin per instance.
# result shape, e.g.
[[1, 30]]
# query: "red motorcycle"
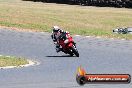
[[68, 46]]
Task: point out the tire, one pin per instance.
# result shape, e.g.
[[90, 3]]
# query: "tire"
[[71, 54], [124, 31], [75, 51]]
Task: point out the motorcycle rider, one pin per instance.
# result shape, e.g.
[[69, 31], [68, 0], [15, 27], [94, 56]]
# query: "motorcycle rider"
[[57, 34]]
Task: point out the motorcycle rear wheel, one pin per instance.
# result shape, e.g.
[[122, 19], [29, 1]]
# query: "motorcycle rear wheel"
[[75, 51]]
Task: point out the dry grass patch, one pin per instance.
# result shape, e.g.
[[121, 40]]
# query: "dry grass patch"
[[12, 61], [84, 20]]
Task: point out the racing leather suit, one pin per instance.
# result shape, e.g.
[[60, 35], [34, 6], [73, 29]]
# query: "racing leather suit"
[[56, 37]]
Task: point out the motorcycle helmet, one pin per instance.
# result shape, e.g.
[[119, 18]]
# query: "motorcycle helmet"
[[56, 29]]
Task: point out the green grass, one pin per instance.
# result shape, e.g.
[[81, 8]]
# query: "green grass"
[[12, 61], [83, 20]]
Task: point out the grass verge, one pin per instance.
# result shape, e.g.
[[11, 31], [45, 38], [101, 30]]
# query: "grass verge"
[[82, 20], [12, 61]]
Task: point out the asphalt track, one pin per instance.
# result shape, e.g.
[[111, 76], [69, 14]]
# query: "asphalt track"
[[57, 70]]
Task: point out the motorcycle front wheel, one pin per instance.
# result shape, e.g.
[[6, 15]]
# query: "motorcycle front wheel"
[[75, 51]]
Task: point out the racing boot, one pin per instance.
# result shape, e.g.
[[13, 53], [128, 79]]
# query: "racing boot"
[[58, 49]]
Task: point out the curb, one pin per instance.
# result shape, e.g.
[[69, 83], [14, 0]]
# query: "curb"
[[24, 30], [30, 63], [99, 37]]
